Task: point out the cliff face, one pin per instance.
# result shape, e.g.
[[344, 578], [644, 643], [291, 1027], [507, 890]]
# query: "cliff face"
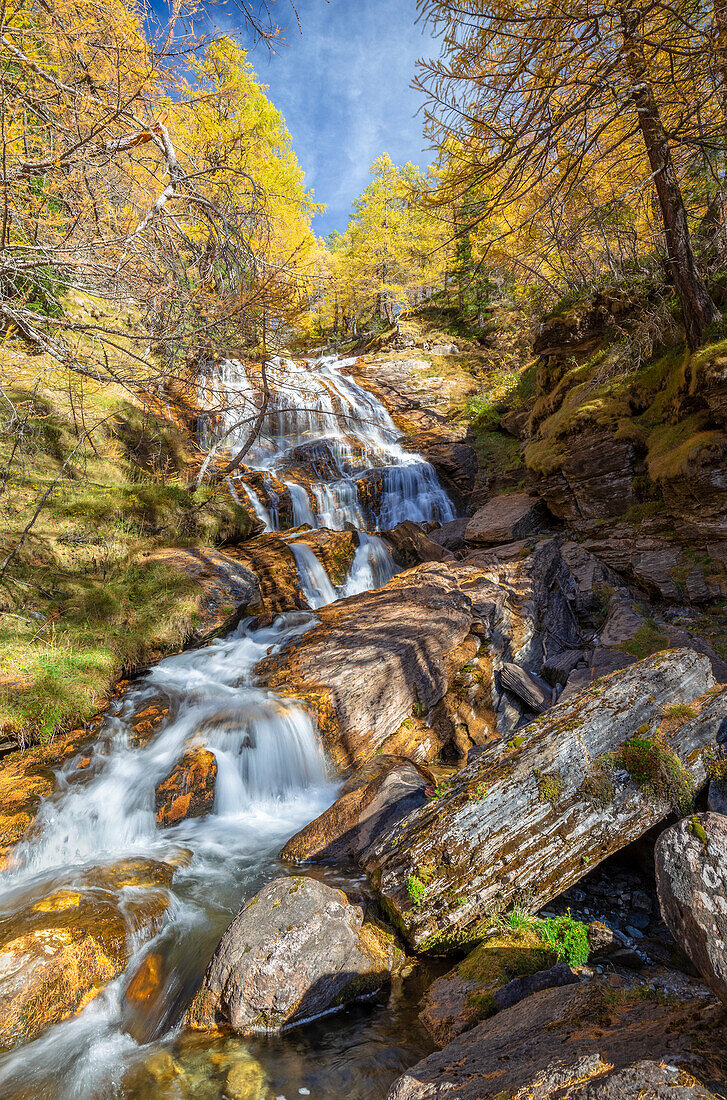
[[644, 445]]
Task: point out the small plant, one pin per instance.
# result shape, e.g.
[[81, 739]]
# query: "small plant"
[[516, 742], [439, 791], [479, 793], [550, 786], [567, 938], [657, 771], [518, 920], [676, 715], [715, 760], [598, 787], [416, 890]]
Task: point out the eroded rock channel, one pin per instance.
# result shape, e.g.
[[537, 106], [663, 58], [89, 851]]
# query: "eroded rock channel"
[[407, 800]]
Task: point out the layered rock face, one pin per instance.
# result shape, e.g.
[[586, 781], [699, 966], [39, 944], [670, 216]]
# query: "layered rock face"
[[373, 658], [588, 1040], [455, 462], [294, 951], [531, 820]]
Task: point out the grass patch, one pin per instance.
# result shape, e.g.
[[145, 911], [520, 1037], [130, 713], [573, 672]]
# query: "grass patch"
[[649, 638]]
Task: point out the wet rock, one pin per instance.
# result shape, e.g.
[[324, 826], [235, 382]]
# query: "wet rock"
[[375, 660], [270, 560], [558, 1043], [533, 819], [60, 951], [691, 878], [189, 789], [296, 950], [411, 546], [377, 795], [505, 519]]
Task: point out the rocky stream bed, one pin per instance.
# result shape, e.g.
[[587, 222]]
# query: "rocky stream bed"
[[420, 818]]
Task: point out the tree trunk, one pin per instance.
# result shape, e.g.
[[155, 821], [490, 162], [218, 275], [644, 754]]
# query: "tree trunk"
[[697, 307]]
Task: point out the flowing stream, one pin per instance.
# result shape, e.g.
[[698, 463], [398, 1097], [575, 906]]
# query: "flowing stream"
[[96, 836]]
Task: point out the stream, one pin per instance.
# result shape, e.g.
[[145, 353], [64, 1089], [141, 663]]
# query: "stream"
[[96, 836]]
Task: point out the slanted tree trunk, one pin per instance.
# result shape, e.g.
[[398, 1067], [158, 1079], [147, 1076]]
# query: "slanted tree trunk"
[[698, 309]]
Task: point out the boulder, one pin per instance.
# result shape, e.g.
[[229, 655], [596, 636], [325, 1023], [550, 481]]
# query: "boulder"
[[295, 951], [568, 1041], [505, 519], [444, 349], [450, 535], [410, 546], [717, 798], [530, 689], [374, 660], [691, 880], [189, 789], [374, 798], [532, 819]]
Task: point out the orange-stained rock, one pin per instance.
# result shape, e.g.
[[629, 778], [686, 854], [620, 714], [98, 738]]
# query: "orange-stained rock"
[[147, 979], [189, 789], [59, 951]]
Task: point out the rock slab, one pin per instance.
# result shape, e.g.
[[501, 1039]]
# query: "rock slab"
[[505, 519], [538, 816], [691, 879]]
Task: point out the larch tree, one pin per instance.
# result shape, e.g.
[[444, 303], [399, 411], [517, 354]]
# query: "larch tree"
[[531, 102]]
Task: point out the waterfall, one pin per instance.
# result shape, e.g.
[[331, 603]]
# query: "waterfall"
[[314, 581], [271, 771], [302, 511], [324, 432], [372, 565]]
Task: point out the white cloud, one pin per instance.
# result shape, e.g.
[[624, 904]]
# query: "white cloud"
[[343, 87]]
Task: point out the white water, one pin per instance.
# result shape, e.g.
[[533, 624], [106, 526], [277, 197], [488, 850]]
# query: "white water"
[[315, 404], [271, 777], [314, 581]]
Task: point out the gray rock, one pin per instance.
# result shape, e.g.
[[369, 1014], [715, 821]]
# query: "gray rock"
[[505, 519], [518, 988], [450, 535], [294, 951], [444, 349], [526, 821], [717, 798], [691, 879], [645, 1081], [529, 688]]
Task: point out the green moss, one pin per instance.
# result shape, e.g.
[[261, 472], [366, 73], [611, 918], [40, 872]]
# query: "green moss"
[[656, 770], [550, 786], [695, 826]]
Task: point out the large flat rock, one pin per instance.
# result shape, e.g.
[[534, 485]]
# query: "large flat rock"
[[375, 658], [526, 824], [560, 1042]]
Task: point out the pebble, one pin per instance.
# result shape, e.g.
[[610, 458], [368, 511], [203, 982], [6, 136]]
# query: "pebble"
[[635, 933]]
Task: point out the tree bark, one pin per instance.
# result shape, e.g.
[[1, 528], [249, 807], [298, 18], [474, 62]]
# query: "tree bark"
[[698, 309]]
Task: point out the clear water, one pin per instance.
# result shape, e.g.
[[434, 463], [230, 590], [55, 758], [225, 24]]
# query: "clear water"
[[272, 779]]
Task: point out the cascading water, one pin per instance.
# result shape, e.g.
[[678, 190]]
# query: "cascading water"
[[271, 779], [314, 581], [328, 436]]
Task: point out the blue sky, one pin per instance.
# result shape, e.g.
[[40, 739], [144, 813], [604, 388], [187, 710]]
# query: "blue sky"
[[343, 87]]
